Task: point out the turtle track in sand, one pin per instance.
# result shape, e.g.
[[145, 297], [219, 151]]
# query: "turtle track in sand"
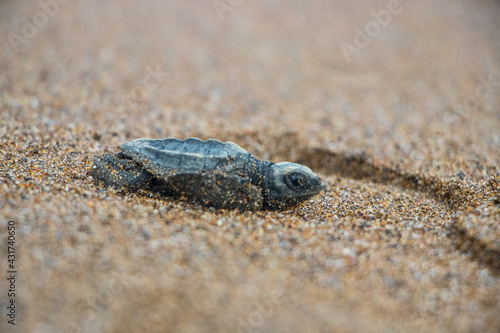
[[455, 197]]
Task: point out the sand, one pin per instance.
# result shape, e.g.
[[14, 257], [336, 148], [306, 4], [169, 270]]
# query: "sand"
[[404, 128]]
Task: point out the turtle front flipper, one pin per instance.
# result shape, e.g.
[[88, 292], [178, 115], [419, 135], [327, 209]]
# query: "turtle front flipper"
[[217, 190]]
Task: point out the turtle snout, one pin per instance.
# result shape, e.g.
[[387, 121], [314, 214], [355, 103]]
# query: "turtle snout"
[[317, 182]]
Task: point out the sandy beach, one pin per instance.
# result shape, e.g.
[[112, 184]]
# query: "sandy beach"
[[395, 104]]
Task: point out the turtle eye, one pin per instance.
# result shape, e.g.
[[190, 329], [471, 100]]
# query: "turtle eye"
[[295, 181]]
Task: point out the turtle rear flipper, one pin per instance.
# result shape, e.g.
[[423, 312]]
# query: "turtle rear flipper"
[[119, 173], [217, 190], [123, 173]]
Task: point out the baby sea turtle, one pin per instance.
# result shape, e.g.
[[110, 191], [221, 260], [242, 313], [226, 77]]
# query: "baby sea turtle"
[[213, 173]]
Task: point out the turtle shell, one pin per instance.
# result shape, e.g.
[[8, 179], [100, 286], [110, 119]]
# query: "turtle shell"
[[172, 155], [208, 172]]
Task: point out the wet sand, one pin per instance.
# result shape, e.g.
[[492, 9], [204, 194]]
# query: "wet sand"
[[405, 133]]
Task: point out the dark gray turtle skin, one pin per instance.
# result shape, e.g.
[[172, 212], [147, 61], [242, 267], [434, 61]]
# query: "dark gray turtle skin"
[[212, 173]]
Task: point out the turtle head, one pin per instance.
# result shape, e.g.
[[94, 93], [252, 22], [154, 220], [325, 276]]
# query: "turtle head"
[[291, 183]]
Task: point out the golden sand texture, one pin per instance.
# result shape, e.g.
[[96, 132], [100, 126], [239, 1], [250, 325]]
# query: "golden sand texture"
[[406, 136]]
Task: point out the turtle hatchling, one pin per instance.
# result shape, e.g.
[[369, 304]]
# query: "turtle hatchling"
[[212, 173]]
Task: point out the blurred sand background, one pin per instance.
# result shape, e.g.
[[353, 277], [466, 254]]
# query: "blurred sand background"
[[405, 132]]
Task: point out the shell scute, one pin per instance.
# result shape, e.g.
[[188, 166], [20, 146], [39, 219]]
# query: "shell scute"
[[172, 144], [214, 147]]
